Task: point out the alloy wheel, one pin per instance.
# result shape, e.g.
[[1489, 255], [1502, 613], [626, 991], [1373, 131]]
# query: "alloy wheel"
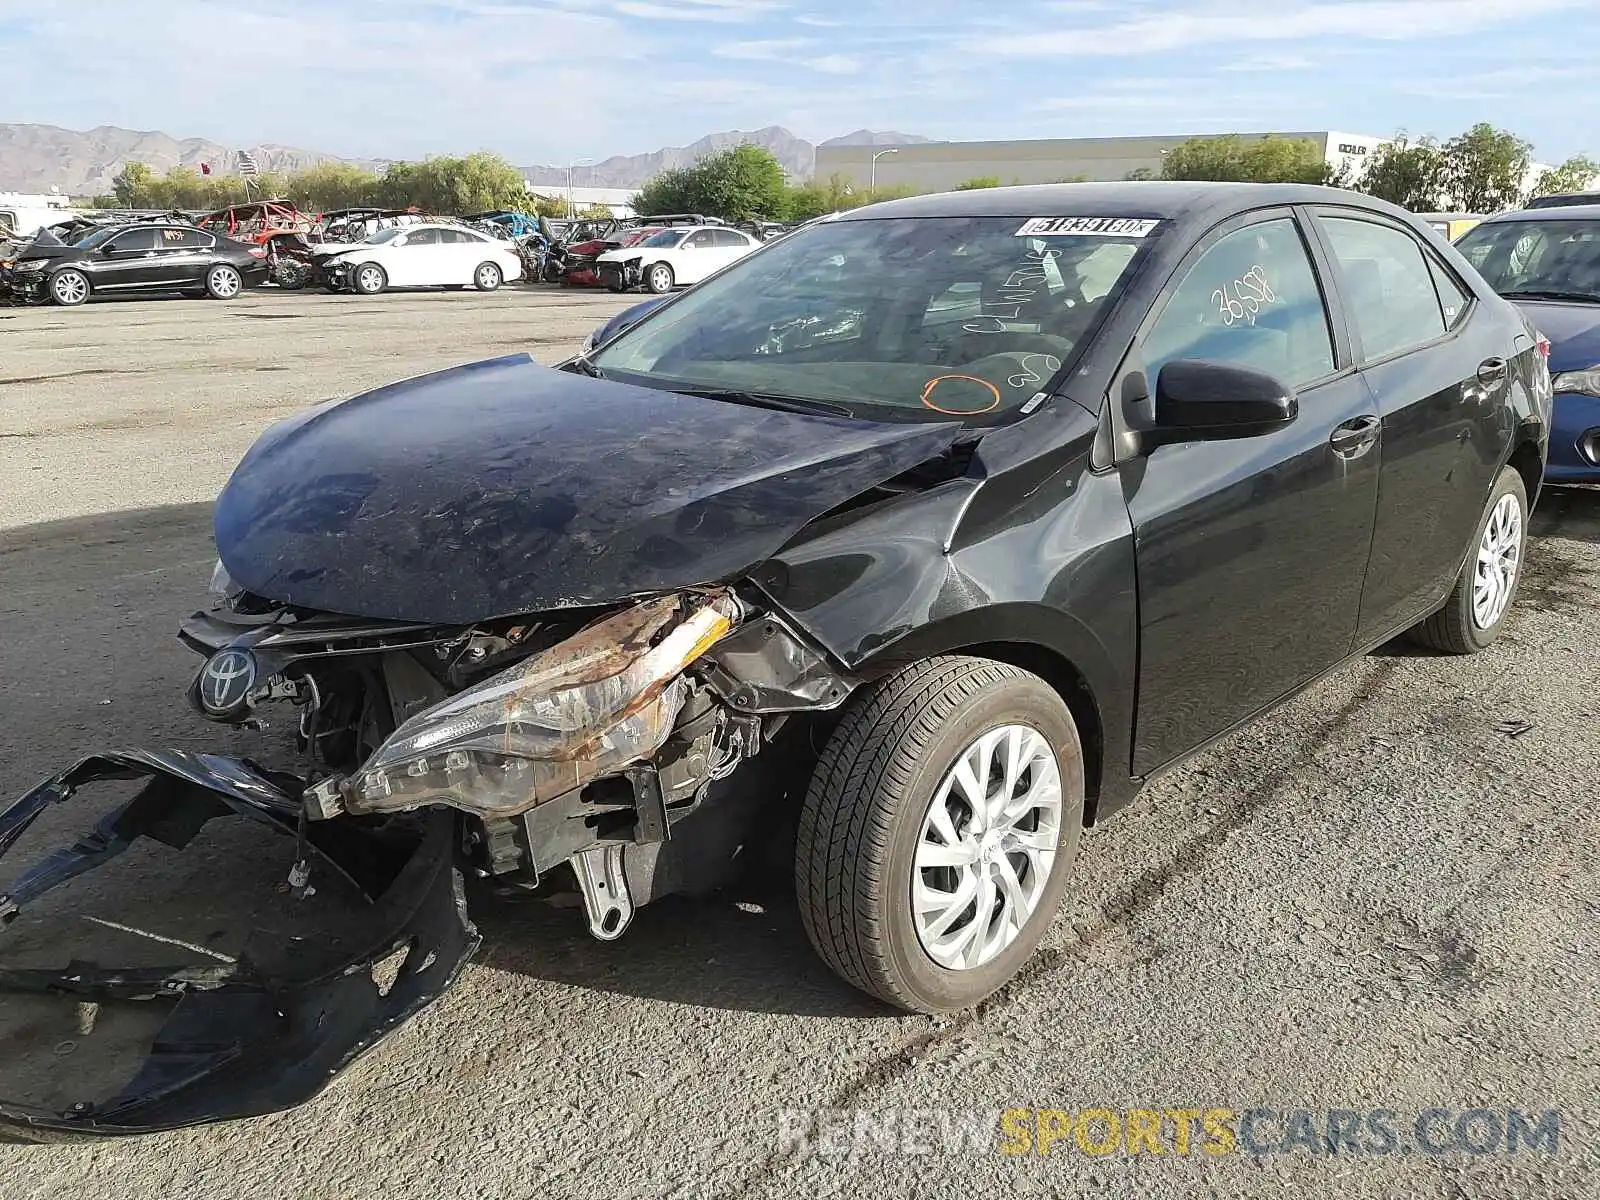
[[987, 847], [1499, 557], [370, 279], [224, 283], [70, 288]]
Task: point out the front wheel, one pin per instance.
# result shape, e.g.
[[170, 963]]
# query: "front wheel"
[[369, 279], [69, 288], [659, 279], [487, 277], [1475, 613], [938, 832], [223, 282]]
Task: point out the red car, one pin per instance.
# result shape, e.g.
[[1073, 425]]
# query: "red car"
[[580, 270]]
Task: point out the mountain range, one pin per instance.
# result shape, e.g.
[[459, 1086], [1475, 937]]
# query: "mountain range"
[[35, 158]]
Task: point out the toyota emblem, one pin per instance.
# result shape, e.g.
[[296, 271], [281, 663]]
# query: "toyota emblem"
[[227, 680]]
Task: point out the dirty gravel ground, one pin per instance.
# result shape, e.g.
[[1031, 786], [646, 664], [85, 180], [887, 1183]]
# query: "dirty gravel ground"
[[1370, 899]]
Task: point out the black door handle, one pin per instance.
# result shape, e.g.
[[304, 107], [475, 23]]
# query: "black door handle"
[[1355, 437], [1492, 370]]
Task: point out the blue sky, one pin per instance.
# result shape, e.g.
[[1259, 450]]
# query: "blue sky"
[[547, 80]]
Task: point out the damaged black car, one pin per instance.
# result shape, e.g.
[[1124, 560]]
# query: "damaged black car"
[[915, 541]]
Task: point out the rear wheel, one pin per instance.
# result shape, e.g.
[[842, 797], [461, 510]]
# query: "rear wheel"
[[223, 282], [69, 288], [659, 279], [369, 279], [1476, 611], [487, 277], [938, 832]]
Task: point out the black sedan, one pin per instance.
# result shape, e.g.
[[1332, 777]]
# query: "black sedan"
[[144, 257], [926, 534]]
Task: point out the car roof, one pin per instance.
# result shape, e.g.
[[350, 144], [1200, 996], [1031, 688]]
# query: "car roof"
[[1561, 212], [1163, 199]]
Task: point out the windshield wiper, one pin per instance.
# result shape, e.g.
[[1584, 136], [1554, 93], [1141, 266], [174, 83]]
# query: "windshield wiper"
[[585, 367], [792, 404], [1551, 294]]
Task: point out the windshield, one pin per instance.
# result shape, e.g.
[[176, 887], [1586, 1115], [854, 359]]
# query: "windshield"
[[897, 319], [96, 237], [1550, 256], [667, 237], [382, 235]]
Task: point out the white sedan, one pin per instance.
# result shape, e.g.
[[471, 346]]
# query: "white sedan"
[[673, 258], [428, 255]]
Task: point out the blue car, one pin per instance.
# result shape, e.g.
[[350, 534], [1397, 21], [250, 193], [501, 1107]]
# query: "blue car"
[[621, 321], [1548, 262]]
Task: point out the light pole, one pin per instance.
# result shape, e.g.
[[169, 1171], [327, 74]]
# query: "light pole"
[[579, 162], [873, 187]]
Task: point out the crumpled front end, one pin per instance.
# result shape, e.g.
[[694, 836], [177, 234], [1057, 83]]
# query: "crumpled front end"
[[172, 1022]]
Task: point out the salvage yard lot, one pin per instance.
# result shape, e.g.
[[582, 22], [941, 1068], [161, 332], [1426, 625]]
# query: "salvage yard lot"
[[1374, 898]]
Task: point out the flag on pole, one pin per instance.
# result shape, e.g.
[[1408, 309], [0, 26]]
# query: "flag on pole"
[[205, 168], [248, 167]]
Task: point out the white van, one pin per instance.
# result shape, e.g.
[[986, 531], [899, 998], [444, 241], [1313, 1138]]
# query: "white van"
[[22, 215]]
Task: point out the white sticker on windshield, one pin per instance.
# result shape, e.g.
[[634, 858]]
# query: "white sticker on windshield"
[[1136, 227]]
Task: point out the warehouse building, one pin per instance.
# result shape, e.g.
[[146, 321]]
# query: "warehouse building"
[[936, 166]]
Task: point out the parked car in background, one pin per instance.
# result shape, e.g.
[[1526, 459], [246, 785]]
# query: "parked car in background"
[[580, 269], [1565, 200], [673, 258], [1547, 260], [137, 257], [1452, 225], [437, 254]]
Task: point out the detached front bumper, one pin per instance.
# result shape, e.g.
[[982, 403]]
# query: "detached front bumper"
[[234, 1035]]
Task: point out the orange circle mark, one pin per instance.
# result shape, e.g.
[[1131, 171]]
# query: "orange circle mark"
[[927, 396]]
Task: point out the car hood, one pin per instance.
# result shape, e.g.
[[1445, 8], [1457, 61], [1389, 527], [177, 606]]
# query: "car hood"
[[624, 253], [504, 487], [1573, 330]]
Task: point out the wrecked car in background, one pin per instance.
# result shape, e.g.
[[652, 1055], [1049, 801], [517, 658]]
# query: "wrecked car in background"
[[913, 543]]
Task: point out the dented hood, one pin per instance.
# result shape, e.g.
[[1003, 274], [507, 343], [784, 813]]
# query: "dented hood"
[[504, 487]]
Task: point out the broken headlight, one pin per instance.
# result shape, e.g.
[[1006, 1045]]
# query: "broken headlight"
[[584, 708]]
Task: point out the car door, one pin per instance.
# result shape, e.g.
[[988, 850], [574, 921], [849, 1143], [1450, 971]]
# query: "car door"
[[415, 258], [730, 246], [126, 261], [1438, 374], [1250, 551], [181, 259], [695, 257]]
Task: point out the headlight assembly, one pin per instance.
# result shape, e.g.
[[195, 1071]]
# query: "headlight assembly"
[[222, 586], [32, 266], [1578, 381], [584, 708]]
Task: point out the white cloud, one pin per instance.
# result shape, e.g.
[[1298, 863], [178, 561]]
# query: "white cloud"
[[726, 11], [835, 64], [761, 50], [1379, 20]]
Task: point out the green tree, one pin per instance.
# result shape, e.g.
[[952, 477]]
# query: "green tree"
[[977, 183], [329, 185], [745, 183], [1410, 174], [1269, 159], [1139, 174], [132, 185], [1574, 175], [1484, 169]]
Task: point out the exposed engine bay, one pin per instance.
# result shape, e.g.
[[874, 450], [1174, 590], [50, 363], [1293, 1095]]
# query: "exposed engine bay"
[[506, 751]]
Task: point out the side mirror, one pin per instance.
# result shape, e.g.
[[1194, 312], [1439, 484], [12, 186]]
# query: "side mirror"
[[1205, 401]]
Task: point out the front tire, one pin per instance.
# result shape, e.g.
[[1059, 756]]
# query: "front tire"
[[223, 282], [659, 279], [1475, 614], [369, 279], [69, 288], [927, 868]]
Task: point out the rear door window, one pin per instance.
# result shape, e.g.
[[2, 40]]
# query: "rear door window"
[[134, 240], [1388, 285], [1250, 301]]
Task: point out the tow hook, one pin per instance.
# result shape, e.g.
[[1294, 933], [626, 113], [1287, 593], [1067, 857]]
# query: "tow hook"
[[604, 884]]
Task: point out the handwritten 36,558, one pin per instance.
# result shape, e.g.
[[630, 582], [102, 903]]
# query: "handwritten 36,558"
[[1241, 299]]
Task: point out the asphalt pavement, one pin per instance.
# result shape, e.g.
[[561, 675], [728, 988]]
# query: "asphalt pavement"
[[1381, 897]]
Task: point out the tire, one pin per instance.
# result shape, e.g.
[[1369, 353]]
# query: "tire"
[[867, 817], [1460, 626], [487, 277], [615, 288], [293, 277], [69, 288], [223, 282], [368, 279], [658, 278]]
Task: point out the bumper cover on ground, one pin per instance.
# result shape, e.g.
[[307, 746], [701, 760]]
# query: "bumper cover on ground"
[[245, 1034]]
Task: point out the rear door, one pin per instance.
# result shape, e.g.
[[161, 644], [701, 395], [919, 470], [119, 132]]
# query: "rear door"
[[1438, 371], [181, 259], [1250, 551]]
